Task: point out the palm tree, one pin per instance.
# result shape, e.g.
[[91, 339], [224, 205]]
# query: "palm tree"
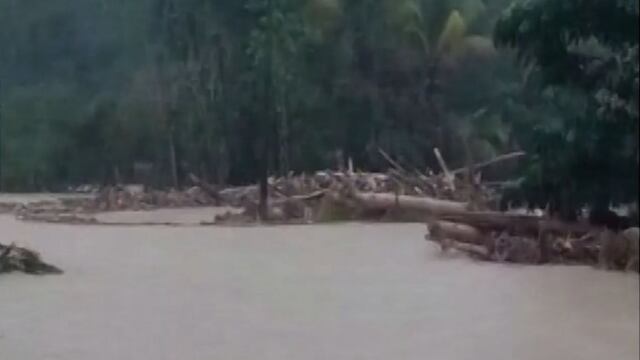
[[445, 35]]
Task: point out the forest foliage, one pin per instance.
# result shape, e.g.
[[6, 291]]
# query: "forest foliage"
[[234, 90]]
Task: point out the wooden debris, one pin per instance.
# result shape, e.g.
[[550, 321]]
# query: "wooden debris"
[[446, 233], [498, 159], [427, 204], [18, 259], [209, 189], [619, 250], [448, 176], [516, 223], [398, 195], [8, 207]]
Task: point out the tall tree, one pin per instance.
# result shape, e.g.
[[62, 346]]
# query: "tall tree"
[[272, 47], [586, 54]]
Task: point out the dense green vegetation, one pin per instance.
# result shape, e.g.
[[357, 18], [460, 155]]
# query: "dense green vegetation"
[[233, 90], [585, 54]]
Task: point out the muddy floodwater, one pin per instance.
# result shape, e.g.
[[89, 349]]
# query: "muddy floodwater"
[[338, 292]]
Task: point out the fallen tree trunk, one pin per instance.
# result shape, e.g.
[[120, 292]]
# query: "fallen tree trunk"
[[429, 205], [516, 224], [492, 246], [439, 230], [457, 212]]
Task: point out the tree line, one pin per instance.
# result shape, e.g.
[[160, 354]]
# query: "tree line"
[[234, 91]]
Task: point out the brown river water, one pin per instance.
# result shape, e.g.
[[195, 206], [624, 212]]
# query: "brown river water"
[[338, 292]]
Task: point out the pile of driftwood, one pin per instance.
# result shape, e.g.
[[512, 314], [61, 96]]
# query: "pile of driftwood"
[[136, 197], [303, 198], [526, 239], [460, 211], [110, 198], [322, 196], [509, 237], [398, 194], [14, 258]]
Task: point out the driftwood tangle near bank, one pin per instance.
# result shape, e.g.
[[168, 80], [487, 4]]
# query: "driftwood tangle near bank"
[[459, 209]]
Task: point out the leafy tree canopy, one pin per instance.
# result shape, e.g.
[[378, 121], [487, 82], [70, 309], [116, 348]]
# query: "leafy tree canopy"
[[585, 52]]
